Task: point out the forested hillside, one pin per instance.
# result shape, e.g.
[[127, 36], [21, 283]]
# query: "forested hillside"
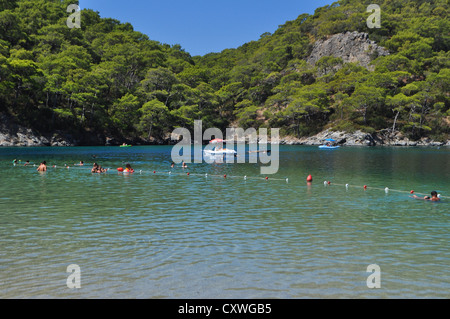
[[107, 78]]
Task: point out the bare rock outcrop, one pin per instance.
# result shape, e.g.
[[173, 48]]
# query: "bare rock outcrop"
[[359, 138], [351, 47], [12, 134]]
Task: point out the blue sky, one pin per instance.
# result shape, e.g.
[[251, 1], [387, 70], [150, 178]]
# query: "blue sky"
[[203, 26]]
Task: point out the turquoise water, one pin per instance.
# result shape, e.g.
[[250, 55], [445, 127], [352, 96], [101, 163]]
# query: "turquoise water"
[[161, 235]]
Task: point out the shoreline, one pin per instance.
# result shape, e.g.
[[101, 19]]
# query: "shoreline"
[[305, 141], [19, 136]]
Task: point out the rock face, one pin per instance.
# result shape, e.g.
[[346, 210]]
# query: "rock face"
[[351, 47], [15, 135], [12, 134], [359, 138]]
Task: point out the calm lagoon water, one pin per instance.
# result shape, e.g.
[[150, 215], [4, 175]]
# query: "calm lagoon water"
[[161, 235]]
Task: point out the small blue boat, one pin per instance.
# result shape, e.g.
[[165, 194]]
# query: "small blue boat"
[[329, 145], [326, 147]]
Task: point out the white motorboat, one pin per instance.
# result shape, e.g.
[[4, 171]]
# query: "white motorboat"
[[219, 151]]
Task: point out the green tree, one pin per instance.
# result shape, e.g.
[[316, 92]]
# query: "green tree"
[[154, 117], [365, 99], [398, 103], [124, 112], [158, 83]]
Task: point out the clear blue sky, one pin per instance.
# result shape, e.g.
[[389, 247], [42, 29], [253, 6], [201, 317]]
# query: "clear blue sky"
[[203, 26]]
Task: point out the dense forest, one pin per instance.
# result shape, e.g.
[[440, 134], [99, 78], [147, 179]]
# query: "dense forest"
[[107, 78]]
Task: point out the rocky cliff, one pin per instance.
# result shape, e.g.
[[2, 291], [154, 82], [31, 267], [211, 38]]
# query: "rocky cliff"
[[351, 47], [13, 134], [359, 138]]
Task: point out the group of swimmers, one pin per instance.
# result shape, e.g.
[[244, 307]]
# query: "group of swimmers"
[[98, 169], [95, 169], [41, 168], [183, 165], [15, 162]]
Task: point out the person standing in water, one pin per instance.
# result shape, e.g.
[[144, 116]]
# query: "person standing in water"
[[42, 167]]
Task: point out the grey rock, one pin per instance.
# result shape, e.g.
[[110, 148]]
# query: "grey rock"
[[12, 134], [351, 47], [359, 138]]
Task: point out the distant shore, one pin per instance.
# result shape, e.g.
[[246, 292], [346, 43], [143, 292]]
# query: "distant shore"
[[359, 138], [16, 135], [23, 137]]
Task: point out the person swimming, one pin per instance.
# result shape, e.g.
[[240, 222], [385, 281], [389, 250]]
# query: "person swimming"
[[434, 197], [96, 168], [128, 169]]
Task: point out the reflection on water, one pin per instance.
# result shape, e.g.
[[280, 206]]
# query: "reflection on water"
[[161, 235]]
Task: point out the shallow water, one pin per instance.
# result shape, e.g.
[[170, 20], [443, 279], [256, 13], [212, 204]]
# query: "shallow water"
[[161, 235]]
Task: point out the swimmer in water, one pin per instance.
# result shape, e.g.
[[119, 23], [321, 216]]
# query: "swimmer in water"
[[434, 197], [128, 169], [42, 167]]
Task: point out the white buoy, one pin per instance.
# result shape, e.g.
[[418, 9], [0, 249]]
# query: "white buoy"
[[170, 172], [386, 190], [287, 180], [325, 183], [245, 177], [206, 175], [346, 186]]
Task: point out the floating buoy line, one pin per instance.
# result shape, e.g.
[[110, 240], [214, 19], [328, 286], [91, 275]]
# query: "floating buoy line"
[[309, 179], [385, 189]]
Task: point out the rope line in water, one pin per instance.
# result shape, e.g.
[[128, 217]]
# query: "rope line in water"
[[215, 175], [154, 172], [386, 189]]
